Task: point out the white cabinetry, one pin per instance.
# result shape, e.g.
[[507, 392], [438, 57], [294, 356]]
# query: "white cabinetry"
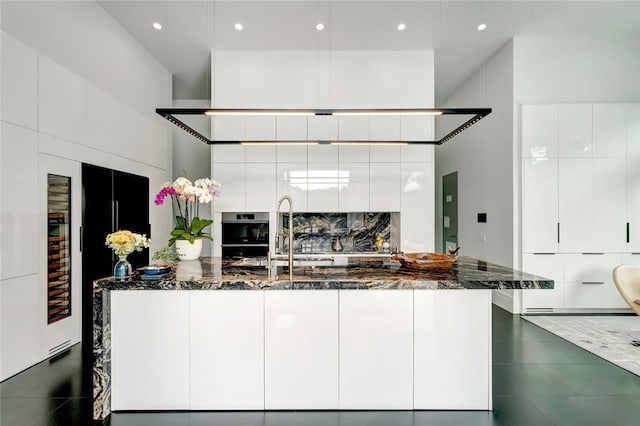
[[150, 350], [592, 212], [301, 349], [376, 349], [260, 186], [589, 283], [445, 377], [226, 342], [579, 198], [548, 265], [540, 205], [633, 176]]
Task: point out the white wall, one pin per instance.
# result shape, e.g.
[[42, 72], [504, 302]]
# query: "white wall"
[[483, 158], [74, 85], [389, 178]]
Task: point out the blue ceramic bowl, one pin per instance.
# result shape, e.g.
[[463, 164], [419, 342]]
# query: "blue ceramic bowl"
[[156, 270]]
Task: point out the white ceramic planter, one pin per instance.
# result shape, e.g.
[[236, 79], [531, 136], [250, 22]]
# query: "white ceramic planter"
[[188, 251]]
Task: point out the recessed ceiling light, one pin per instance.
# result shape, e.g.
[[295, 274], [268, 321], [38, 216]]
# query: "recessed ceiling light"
[[157, 25], [401, 27], [238, 26], [319, 26], [482, 27]]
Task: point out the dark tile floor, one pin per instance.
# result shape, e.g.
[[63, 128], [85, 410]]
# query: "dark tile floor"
[[538, 379]]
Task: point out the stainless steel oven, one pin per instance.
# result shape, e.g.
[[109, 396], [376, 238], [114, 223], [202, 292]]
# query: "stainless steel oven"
[[245, 235]]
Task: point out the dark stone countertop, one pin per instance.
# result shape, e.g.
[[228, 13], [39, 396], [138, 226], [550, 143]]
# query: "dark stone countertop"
[[356, 273]]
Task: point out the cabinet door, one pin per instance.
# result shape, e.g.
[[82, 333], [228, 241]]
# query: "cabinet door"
[[292, 179], [540, 205], [547, 266], [540, 131], [575, 126], [376, 349], [633, 177], [260, 184], [353, 187], [450, 325], [131, 209], [301, 349], [323, 181], [150, 350], [231, 176], [384, 186], [417, 207], [609, 130], [226, 350], [589, 282], [592, 205]]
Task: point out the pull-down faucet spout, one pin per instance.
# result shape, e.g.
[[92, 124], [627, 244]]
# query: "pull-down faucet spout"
[[290, 231]]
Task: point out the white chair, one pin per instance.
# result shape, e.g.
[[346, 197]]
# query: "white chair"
[[627, 280]]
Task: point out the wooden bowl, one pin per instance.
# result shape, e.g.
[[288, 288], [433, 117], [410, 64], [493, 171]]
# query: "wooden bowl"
[[421, 260]]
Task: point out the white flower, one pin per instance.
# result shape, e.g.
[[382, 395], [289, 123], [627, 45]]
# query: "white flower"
[[181, 183]]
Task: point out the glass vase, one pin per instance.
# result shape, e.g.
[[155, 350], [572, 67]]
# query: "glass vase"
[[122, 269]]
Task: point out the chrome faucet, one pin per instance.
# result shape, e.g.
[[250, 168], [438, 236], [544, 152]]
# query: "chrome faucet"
[[290, 231]]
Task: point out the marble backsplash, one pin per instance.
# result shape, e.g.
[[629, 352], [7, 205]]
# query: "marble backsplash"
[[340, 232]]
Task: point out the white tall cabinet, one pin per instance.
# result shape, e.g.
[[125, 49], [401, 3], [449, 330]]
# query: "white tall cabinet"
[[580, 205]]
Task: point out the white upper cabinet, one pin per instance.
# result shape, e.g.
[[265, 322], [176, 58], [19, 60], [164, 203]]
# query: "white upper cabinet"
[[322, 128], [291, 128], [260, 153], [232, 179], [260, 186], [592, 208], [227, 154], [19, 83], [62, 102], [260, 128], [575, 128], [540, 205], [539, 131], [353, 187], [384, 128], [416, 128], [353, 153], [385, 188], [228, 128], [292, 179], [633, 176], [323, 180], [353, 127], [609, 130]]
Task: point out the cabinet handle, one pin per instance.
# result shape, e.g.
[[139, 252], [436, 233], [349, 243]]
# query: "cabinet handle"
[[627, 232], [543, 254], [592, 282], [558, 225], [81, 238], [592, 254]]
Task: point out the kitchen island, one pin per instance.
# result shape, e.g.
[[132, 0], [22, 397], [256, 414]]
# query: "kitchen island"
[[363, 334]]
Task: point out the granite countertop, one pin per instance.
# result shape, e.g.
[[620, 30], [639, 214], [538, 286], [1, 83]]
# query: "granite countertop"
[[356, 273]]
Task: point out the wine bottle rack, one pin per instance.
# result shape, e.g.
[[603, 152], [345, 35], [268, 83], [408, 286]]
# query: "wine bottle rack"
[[58, 248]]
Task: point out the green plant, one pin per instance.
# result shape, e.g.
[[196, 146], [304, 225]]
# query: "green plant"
[[166, 254]]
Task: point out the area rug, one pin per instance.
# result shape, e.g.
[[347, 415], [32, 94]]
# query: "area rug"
[[613, 338]]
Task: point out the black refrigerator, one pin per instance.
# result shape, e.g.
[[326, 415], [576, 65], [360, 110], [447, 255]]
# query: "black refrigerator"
[[111, 200]]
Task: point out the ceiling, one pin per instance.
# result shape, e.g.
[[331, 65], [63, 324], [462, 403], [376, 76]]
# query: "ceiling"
[[191, 29]]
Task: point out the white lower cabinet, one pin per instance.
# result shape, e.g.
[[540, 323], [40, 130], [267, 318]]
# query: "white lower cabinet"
[[301, 349], [547, 266], [449, 326], [227, 350], [588, 281], [376, 349], [150, 350]]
